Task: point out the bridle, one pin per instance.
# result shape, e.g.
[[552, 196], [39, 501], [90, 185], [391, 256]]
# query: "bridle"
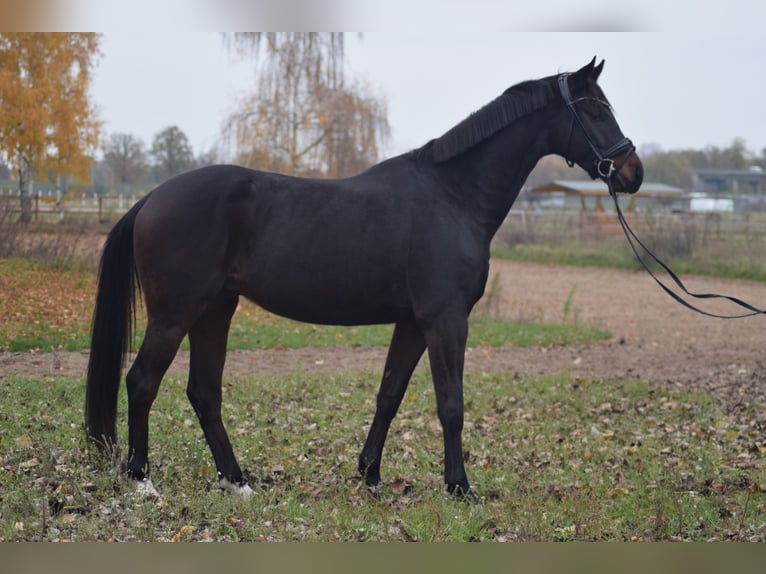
[[605, 167]]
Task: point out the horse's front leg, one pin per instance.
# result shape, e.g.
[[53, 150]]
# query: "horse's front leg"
[[407, 346], [446, 340]]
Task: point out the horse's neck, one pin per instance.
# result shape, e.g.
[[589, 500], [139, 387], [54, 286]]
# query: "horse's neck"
[[491, 175]]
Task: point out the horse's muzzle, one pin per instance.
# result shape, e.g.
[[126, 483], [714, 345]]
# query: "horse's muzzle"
[[629, 176]]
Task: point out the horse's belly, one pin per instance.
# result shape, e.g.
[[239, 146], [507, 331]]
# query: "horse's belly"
[[331, 311], [329, 299], [348, 315]]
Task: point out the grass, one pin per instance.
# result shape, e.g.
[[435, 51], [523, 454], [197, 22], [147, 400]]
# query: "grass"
[[733, 248], [604, 253], [254, 328], [44, 309], [553, 459], [611, 252]]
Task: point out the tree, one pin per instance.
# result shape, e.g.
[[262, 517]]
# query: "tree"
[[736, 156], [48, 123], [676, 167], [172, 153], [126, 158], [304, 118], [671, 167], [210, 157]]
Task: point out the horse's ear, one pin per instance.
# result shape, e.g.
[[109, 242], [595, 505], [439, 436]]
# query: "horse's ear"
[[589, 72], [587, 69], [597, 70]]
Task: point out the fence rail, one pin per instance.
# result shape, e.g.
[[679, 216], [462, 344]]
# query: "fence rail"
[[560, 224], [537, 222], [45, 206]]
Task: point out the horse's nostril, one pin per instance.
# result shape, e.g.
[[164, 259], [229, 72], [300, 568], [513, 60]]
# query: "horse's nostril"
[[639, 174], [638, 177]]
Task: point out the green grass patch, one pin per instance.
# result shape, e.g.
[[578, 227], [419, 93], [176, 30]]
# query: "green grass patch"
[[727, 258], [553, 459], [44, 309], [608, 253], [604, 253], [254, 328]]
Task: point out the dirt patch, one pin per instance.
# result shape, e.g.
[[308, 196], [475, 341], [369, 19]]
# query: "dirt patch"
[[654, 338]]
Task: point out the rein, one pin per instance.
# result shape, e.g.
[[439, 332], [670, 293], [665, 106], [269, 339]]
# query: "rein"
[[606, 168], [630, 235]]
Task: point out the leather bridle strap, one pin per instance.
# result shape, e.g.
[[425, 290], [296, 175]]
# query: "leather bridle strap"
[[604, 163]]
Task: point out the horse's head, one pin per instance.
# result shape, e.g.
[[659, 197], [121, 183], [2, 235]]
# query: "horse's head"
[[591, 137]]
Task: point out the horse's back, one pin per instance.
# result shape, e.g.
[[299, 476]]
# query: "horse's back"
[[327, 251]]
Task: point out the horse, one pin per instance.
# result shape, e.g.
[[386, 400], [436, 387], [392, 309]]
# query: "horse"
[[405, 242]]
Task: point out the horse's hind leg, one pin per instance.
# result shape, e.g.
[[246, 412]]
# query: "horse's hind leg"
[[143, 381], [407, 346], [207, 339]]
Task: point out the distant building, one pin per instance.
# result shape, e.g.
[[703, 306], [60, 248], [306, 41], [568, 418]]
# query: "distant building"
[[745, 188], [589, 197]]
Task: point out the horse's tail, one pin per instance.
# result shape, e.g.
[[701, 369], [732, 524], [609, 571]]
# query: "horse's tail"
[[113, 322]]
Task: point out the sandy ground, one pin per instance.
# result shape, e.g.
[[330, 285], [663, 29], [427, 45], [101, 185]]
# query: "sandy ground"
[[654, 338]]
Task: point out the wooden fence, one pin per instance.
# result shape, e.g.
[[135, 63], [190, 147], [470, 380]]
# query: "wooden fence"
[[46, 208]]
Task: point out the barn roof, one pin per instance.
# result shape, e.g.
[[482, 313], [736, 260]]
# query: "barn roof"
[[598, 187]]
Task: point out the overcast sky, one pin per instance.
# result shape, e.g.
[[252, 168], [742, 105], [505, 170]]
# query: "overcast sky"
[[680, 74]]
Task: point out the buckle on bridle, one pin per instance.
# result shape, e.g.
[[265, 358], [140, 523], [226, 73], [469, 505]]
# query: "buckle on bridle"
[[605, 167]]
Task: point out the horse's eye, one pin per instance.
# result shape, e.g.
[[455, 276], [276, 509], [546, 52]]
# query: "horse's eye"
[[595, 109], [599, 109]]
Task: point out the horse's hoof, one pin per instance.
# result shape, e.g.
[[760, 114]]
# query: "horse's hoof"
[[470, 497], [370, 473], [372, 489], [466, 495], [242, 490], [145, 489]]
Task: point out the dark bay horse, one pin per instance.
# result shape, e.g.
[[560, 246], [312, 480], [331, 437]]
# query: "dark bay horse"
[[405, 242]]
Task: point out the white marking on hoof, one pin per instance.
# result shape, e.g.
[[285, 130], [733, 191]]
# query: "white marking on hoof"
[[145, 488], [243, 491]]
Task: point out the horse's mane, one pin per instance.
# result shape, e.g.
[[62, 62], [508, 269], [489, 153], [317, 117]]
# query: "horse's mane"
[[515, 102]]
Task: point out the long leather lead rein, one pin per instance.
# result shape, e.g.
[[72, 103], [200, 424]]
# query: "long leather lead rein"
[[630, 236]]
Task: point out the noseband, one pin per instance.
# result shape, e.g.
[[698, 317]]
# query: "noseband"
[[604, 163]]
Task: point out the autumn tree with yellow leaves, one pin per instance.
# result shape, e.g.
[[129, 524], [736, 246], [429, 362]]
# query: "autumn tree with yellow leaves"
[[48, 125], [305, 118]]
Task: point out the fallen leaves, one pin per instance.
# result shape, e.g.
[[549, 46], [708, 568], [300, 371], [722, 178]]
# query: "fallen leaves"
[[184, 534], [400, 486], [24, 441], [553, 459], [33, 313]]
